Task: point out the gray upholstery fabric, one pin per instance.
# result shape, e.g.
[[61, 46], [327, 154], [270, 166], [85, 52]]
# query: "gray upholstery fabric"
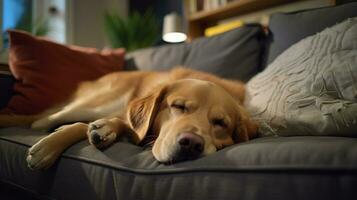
[[311, 88], [265, 168], [289, 28], [235, 54]]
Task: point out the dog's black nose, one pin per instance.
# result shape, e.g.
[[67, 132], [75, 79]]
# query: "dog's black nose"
[[190, 146], [95, 138]]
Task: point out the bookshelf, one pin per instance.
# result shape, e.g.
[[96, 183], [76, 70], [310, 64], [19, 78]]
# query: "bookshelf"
[[199, 18]]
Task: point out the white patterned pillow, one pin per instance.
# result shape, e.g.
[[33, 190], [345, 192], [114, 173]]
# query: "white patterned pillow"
[[311, 88]]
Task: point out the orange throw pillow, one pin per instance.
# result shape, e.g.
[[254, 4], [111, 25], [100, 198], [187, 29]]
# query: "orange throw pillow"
[[47, 73]]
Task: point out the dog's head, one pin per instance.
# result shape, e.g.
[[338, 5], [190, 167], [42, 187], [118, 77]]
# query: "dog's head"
[[190, 118]]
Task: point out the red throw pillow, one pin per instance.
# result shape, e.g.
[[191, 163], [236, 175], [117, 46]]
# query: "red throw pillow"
[[47, 73]]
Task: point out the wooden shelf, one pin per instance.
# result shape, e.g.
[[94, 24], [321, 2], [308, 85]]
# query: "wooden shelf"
[[200, 20], [235, 8]]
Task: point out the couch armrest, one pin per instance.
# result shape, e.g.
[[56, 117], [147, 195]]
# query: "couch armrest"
[[6, 85]]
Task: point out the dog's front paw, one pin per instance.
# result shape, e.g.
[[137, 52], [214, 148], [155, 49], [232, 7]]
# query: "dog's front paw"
[[102, 133], [43, 154]]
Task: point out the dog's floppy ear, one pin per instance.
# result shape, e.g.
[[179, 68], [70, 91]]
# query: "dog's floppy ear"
[[245, 128], [141, 112]]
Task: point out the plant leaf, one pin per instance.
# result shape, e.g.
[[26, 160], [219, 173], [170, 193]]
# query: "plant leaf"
[[134, 32]]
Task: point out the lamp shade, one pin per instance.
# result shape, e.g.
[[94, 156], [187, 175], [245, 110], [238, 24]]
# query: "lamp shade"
[[173, 29]]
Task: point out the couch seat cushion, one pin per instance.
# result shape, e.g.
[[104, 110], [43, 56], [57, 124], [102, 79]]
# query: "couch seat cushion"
[[125, 170]]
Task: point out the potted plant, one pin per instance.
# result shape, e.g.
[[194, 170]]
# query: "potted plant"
[[134, 32]]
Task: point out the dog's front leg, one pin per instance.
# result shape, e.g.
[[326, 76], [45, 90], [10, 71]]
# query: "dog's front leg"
[[103, 132], [46, 151]]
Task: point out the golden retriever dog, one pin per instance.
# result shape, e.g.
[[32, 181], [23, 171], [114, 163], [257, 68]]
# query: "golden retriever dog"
[[186, 113]]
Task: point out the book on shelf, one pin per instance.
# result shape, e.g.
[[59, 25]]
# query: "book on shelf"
[[192, 6], [214, 30], [205, 5], [200, 5]]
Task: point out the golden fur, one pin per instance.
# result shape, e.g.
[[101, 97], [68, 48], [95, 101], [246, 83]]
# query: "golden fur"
[[160, 104]]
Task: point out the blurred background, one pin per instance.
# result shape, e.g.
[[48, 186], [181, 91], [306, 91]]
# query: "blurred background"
[[135, 24], [76, 21]]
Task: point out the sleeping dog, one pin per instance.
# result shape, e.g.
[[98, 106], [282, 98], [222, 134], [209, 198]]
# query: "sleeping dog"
[[188, 113]]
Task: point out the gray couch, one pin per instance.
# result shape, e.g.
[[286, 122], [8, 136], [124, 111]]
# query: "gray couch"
[[297, 167]]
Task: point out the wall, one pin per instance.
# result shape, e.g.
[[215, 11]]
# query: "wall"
[[86, 20], [56, 21], [78, 22]]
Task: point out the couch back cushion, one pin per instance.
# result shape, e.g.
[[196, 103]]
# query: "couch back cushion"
[[311, 88], [47, 73], [288, 28], [234, 54]]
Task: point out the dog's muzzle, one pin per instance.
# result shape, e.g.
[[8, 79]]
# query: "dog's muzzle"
[[189, 146]]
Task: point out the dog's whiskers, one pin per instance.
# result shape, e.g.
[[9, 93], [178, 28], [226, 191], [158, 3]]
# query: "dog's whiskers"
[[149, 144]]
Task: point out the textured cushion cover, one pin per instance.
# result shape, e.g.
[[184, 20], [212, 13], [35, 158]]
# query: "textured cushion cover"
[[235, 54], [310, 89], [47, 73], [265, 168], [289, 28]]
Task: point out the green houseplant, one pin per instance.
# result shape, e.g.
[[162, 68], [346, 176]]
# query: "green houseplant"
[[134, 32]]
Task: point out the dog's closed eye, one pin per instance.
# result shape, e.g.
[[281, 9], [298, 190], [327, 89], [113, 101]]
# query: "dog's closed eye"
[[179, 105]]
